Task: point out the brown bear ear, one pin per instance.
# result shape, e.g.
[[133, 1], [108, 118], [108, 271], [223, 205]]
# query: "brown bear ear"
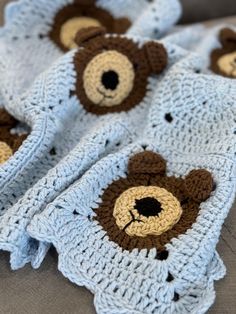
[[227, 37], [156, 55], [121, 25], [199, 185], [85, 35], [147, 162]]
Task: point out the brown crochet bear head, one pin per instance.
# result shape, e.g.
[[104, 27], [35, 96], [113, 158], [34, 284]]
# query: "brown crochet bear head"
[[223, 60], [79, 15], [147, 209], [112, 71], [9, 142]]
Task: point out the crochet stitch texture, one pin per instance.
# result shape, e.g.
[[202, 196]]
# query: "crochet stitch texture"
[[216, 46], [46, 105], [26, 48], [69, 120], [129, 167], [191, 124]]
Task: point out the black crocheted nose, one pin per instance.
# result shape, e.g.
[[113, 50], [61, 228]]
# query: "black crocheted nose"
[[148, 207], [110, 80]]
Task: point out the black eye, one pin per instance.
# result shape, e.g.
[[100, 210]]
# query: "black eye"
[[176, 297], [169, 278], [169, 117], [53, 151], [110, 80]]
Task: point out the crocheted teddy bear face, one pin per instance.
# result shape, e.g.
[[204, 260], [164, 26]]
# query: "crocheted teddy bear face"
[[147, 208], [79, 15], [112, 72], [223, 60], [9, 142]]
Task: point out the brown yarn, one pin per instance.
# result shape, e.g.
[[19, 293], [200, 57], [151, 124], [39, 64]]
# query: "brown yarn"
[[199, 184], [156, 56], [86, 9], [147, 163], [121, 25], [13, 141], [222, 67], [137, 56], [84, 35], [228, 37], [175, 186], [6, 119], [19, 139]]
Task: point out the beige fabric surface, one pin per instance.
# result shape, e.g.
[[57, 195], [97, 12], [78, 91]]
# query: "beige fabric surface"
[[46, 291]]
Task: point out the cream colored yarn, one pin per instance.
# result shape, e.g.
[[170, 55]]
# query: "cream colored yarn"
[[102, 63], [227, 63], [70, 28], [142, 226], [5, 152]]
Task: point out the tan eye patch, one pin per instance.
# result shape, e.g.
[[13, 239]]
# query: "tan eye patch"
[[70, 28], [108, 78], [227, 64], [146, 210], [5, 152]]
